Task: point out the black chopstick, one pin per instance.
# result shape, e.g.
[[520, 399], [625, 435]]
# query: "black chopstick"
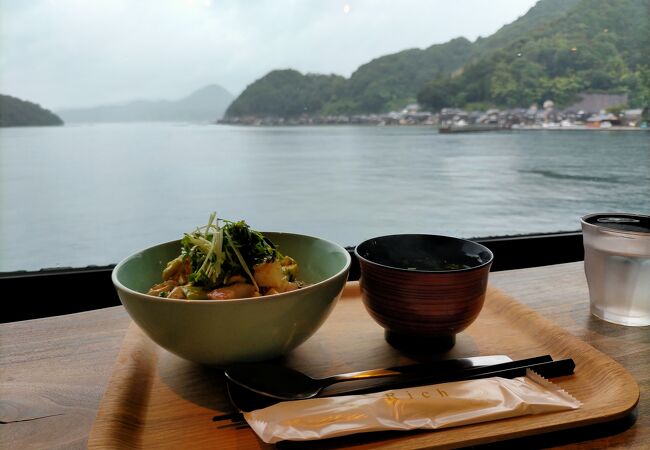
[[549, 369], [542, 365], [456, 365]]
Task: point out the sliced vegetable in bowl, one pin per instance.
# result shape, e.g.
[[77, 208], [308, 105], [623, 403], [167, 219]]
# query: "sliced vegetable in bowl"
[[220, 262]]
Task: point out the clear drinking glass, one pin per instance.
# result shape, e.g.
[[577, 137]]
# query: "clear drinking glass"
[[617, 266]]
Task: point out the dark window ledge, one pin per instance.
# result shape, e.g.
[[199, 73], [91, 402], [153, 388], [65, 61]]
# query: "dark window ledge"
[[60, 291]]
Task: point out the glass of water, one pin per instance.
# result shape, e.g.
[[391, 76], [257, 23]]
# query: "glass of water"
[[617, 266]]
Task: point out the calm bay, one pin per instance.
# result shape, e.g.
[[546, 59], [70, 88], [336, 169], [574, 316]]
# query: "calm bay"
[[84, 195]]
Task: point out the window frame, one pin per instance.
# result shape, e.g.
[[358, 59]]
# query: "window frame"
[[49, 291]]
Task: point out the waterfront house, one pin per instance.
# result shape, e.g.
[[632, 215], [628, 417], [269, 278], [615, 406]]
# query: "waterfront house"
[[631, 117], [604, 120], [595, 103]]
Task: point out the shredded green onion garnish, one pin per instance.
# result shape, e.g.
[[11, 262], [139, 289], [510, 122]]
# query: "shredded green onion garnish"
[[242, 262], [217, 252]]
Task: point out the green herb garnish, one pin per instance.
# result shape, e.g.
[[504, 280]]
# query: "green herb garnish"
[[217, 252]]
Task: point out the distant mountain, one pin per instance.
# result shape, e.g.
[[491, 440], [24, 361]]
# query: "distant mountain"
[[205, 105], [558, 49], [15, 112]]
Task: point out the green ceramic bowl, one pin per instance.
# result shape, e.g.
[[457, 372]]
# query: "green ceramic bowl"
[[221, 332]]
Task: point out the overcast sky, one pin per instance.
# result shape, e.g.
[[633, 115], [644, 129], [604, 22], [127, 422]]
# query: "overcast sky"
[[70, 53]]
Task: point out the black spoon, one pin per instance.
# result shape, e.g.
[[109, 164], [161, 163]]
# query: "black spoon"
[[244, 400], [284, 383]]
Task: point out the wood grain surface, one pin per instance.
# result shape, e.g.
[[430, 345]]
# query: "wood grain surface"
[[156, 400], [54, 372]]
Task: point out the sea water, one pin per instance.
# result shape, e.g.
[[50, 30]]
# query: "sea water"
[[93, 194]]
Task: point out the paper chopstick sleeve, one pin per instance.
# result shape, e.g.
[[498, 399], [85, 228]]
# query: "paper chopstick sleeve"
[[424, 407]]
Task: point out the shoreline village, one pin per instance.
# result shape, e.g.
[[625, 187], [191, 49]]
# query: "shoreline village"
[[592, 112]]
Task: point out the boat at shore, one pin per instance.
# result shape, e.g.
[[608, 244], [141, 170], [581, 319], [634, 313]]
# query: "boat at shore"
[[456, 128]]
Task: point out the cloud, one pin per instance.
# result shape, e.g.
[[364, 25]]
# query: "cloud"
[[64, 53]]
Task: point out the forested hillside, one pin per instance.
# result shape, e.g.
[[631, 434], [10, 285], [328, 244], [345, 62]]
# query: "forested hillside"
[[560, 48], [288, 93], [15, 112], [599, 46]]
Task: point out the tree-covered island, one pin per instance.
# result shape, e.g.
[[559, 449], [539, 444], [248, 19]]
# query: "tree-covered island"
[[15, 112]]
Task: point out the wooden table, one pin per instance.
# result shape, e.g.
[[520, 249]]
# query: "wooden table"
[[54, 371]]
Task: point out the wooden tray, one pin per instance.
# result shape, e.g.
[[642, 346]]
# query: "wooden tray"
[[157, 400]]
